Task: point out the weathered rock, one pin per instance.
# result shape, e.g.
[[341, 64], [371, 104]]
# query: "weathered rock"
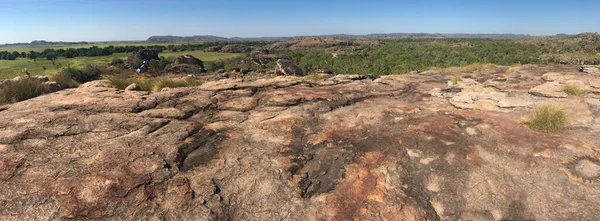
[[549, 89], [595, 83], [213, 49], [349, 77], [133, 87], [589, 69], [287, 68], [286, 149], [235, 48], [553, 76], [188, 60], [53, 86], [267, 58]]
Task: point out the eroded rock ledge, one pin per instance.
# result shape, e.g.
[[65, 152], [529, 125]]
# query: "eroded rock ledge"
[[410, 147]]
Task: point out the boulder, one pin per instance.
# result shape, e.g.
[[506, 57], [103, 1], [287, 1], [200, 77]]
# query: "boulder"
[[133, 87], [213, 49], [286, 67], [188, 60], [187, 64], [53, 86]]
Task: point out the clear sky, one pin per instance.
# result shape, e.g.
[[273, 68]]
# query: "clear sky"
[[107, 20]]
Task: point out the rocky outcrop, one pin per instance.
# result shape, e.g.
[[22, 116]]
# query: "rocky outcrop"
[[313, 43], [286, 148], [187, 62], [235, 48], [146, 54], [287, 68]]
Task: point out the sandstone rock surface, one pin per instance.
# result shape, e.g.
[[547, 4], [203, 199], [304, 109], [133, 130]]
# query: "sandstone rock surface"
[[289, 149]]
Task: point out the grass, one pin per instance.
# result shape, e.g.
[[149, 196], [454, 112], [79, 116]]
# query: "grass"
[[21, 90], [514, 68], [455, 79], [548, 118], [573, 90], [154, 84], [11, 69]]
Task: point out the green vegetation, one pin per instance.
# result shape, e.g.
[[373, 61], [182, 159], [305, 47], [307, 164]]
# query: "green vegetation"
[[403, 56], [10, 69], [549, 118], [88, 73], [154, 84], [573, 90], [455, 79], [26, 88]]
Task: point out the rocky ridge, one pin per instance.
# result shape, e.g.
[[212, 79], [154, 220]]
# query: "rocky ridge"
[[402, 147]]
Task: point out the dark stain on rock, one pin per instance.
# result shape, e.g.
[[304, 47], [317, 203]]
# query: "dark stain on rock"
[[199, 149]]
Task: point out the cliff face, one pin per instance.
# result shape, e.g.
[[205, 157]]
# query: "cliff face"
[[408, 147]]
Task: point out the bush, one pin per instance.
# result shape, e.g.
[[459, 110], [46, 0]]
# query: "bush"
[[63, 80], [572, 90], [88, 73], [27, 88], [456, 78], [550, 118]]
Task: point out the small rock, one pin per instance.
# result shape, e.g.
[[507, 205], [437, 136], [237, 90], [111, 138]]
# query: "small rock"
[[133, 87]]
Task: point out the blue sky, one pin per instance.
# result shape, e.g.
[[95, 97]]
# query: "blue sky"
[[106, 20]]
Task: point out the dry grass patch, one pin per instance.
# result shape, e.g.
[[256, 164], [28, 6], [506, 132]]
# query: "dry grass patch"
[[573, 90], [548, 118], [27, 88]]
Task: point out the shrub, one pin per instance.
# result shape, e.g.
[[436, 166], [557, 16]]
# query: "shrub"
[[88, 73], [572, 90], [456, 78], [550, 118], [27, 88], [63, 80]]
